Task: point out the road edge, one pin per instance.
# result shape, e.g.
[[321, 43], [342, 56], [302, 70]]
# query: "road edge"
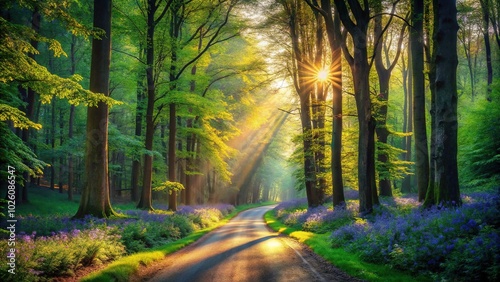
[[120, 270]]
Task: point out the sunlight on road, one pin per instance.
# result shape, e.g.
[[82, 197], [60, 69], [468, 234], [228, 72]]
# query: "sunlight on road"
[[272, 245], [242, 250]]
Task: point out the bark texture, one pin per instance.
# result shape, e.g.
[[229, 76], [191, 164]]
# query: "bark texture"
[[446, 187], [95, 197], [420, 126]]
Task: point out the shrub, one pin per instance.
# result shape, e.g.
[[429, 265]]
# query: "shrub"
[[38, 258], [58, 246], [319, 219]]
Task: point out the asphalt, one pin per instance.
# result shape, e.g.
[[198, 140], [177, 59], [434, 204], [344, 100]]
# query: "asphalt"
[[244, 250]]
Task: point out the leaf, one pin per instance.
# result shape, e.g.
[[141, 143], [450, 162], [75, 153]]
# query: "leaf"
[[17, 117]]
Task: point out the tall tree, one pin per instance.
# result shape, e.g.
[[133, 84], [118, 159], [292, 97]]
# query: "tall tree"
[[384, 71], [304, 73], [29, 99], [420, 126], [95, 197], [333, 25], [153, 18], [408, 116], [485, 8], [495, 19], [469, 37], [446, 186], [360, 68], [213, 30], [139, 116]]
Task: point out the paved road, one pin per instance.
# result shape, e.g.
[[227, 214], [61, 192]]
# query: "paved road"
[[243, 250]]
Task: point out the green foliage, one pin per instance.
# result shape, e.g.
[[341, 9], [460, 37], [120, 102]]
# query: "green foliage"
[[14, 153], [18, 68], [61, 254], [479, 150], [169, 187], [393, 169], [17, 117], [141, 235], [206, 217]]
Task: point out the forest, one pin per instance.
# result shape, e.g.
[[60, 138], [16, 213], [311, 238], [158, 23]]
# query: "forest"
[[370, 125]]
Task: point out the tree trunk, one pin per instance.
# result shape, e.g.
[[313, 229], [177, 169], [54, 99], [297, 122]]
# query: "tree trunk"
[[139, 115], [485, 8], [146, 196], [421, 146], [61, 141], [191, 140], [172, 129], [408, 113], [360, 72], [256, 184], [95, 198], [309, 162], [53, 144], [332, 22], [304, 61], [71, 173], [29, 99], [319, 112], [431, 58], [446, 187]]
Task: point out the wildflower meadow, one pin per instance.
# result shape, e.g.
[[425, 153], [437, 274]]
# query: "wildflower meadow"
[[55, 246], [443, 243]]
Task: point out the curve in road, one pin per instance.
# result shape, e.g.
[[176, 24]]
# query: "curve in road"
[[243, 250]]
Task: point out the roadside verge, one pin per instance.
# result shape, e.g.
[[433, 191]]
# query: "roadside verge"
[[349, 263], [121, 269]]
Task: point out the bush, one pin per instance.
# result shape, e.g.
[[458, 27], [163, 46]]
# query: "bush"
[[319, 219], [58, 246], [205, 216], [38, 258]]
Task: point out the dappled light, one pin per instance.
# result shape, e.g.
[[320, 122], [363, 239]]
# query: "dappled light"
[[159, 140]]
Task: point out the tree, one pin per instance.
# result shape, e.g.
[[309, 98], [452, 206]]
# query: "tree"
[[469, 37], [18, 70], [408, 115], [446, 186], [153, 19], [304, 39], [384, 75], [495, 19], [485, 8], [420, 126], [95, 197], [360, 69], [214, 29], [332, 23], [29, 98]]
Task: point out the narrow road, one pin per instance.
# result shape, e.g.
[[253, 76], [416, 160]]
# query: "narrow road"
[[243, 250]]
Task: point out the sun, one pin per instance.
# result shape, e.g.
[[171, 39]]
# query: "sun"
[[322, 75]]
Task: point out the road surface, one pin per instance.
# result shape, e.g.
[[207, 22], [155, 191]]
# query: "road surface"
[[243, 250]]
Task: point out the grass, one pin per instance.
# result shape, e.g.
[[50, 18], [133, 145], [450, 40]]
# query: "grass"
[[350, 263], [42, 201], [46, 203], [122, 269]]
